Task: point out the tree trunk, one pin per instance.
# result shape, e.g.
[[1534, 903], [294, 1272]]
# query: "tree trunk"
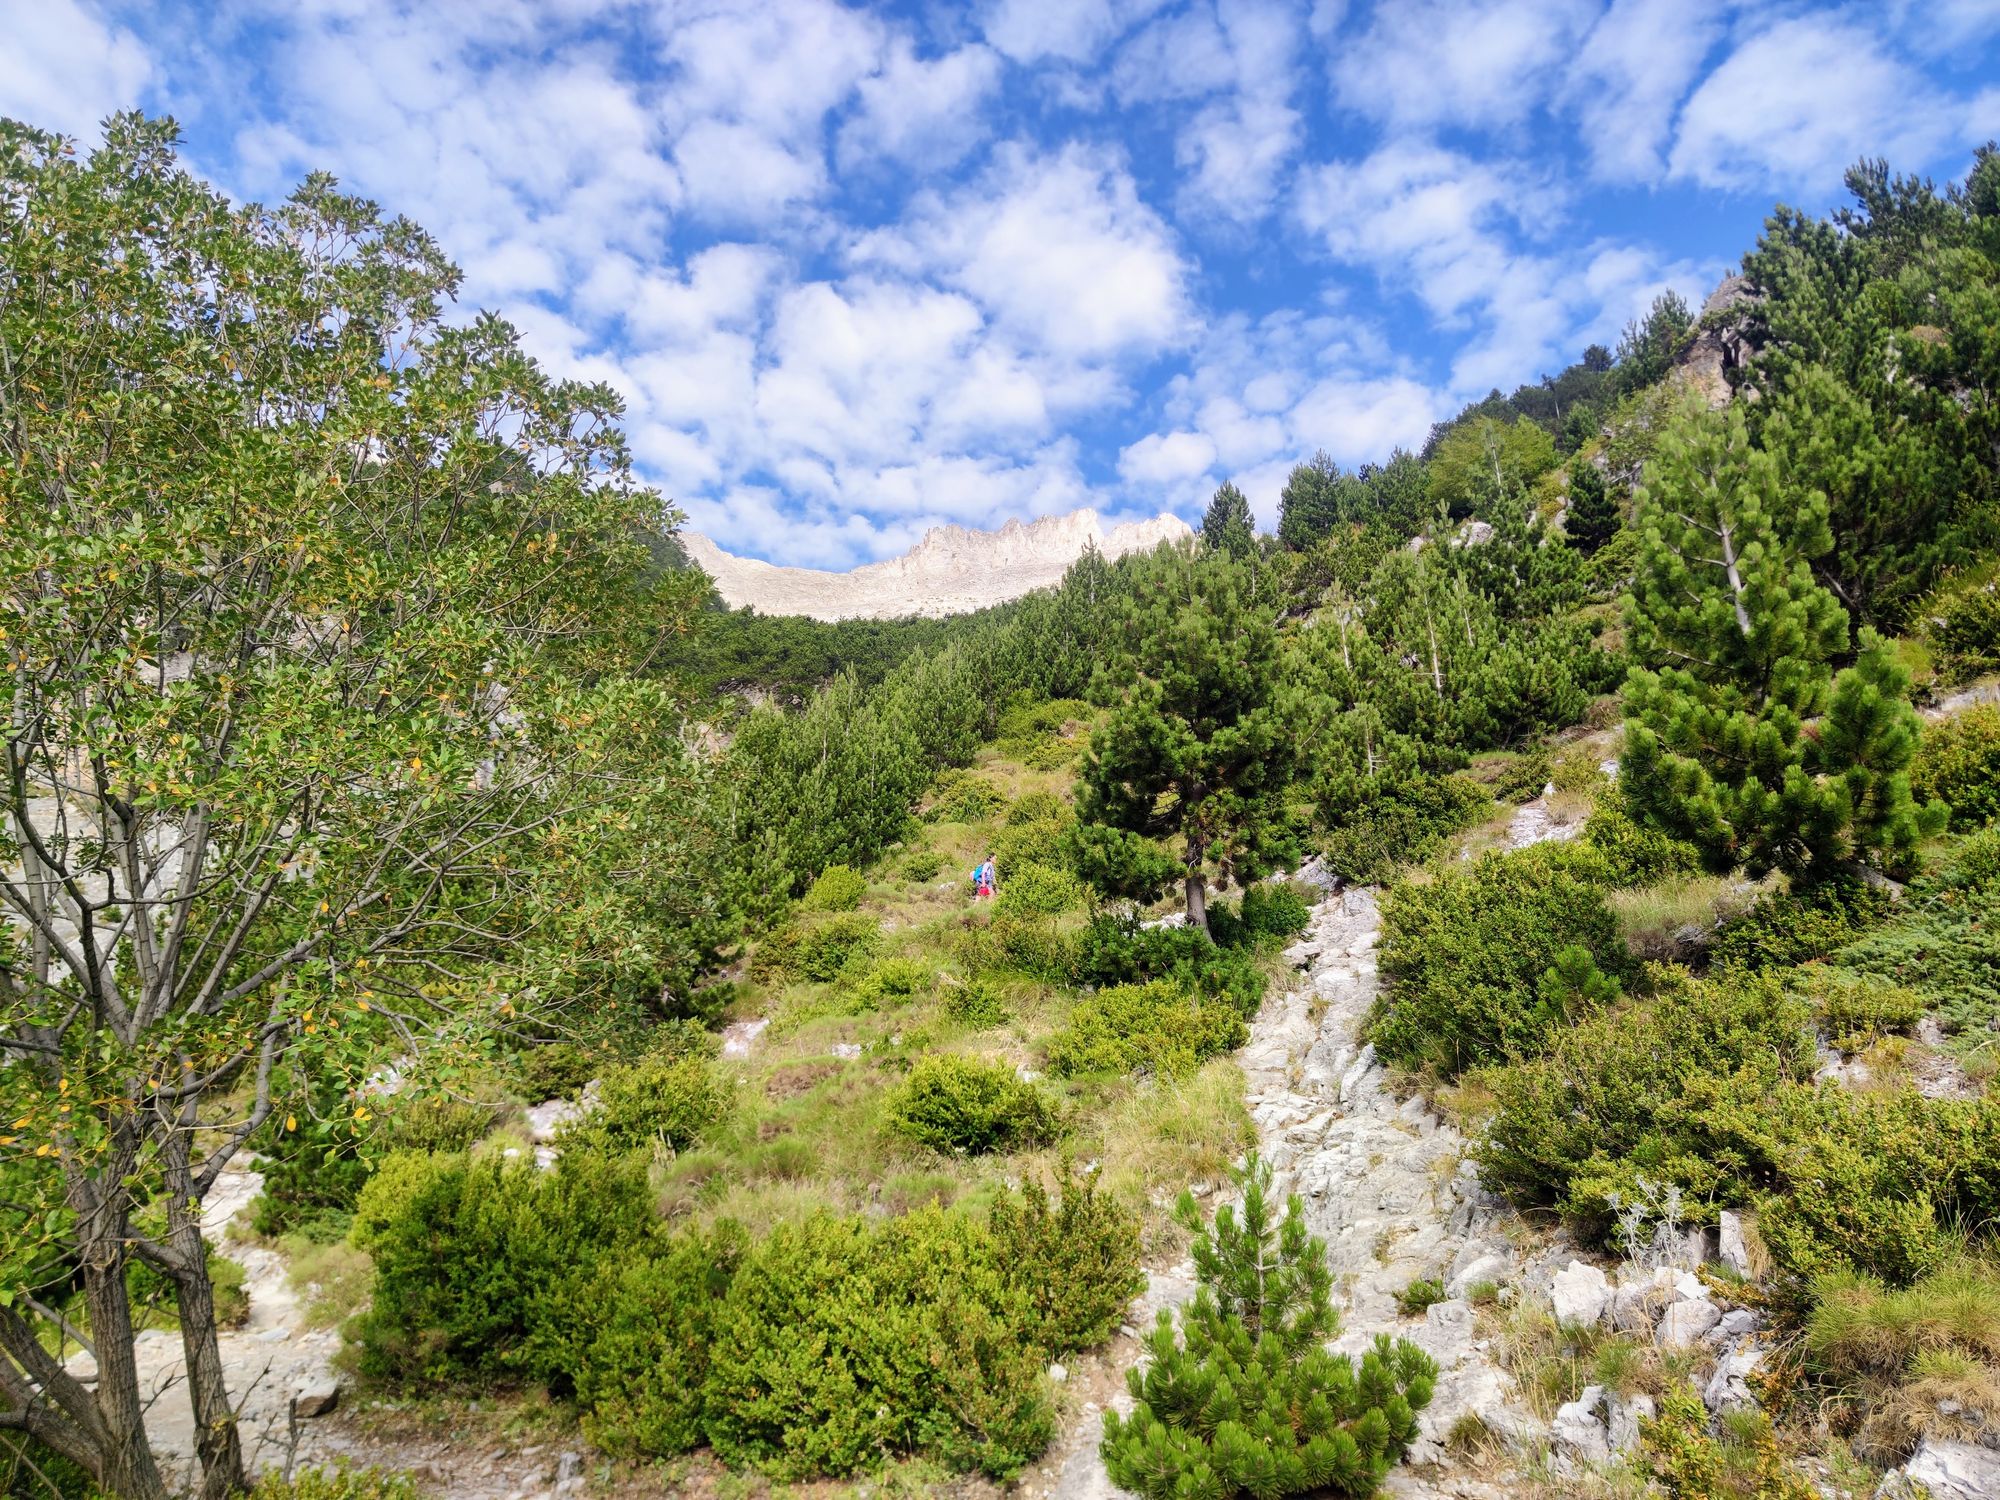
[[1197, 900], [218, 1444], [127, 1467]]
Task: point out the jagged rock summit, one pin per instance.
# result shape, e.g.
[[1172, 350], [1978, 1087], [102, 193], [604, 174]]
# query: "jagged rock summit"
[[951, 571]]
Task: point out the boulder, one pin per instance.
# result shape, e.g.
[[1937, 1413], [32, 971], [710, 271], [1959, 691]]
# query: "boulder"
[[1945, 1471], [1622, 1418], [1579, 1294], [316, 1397], [1636, 1305], [1683, 1324], [1488, 1267], [1579, 1433], [1728, 1389], [1731, 1247]]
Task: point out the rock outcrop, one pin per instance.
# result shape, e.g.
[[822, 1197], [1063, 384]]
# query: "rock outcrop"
[[1720, 346], [951, 571]]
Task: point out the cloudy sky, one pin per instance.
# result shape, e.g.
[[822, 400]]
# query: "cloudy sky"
[[861, 269]]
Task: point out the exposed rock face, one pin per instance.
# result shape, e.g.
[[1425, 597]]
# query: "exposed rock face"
[[1719, 345], [951, 571]]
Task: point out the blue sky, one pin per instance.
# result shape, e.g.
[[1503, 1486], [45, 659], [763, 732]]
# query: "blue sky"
[[862, 270]]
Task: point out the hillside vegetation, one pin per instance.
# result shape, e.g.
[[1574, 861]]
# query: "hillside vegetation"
[[595, 978]]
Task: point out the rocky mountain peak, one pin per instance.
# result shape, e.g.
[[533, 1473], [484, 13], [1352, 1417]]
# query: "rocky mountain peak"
[[954, 569]]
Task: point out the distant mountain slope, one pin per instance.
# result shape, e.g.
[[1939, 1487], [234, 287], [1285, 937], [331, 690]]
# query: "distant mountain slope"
[[952, 570]]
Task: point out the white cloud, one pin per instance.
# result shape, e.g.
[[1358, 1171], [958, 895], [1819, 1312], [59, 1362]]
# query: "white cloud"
[[735, 172], [61, 68], [1069, 30], [1456, 62], [1799, 102], [926, 113], [1059, 249], [1167, 458], [1630, 75]]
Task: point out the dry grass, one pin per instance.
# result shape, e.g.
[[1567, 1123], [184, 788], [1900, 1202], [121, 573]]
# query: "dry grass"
[[1677, 918]]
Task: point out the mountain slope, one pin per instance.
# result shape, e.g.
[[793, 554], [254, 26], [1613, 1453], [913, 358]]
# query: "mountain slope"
[[952, 570]]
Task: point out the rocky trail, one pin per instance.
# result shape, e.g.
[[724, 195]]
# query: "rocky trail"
[[1383, 1183]]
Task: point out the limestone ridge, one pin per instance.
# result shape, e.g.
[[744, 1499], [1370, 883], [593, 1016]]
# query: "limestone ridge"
[[951, 571]]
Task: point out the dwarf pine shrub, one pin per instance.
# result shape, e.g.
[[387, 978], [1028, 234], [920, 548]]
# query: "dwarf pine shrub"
[[1245, 1399], [965, 1106]]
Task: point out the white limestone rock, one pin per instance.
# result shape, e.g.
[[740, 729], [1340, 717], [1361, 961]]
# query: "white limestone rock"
[[1684, 1323], [1579, 1294]]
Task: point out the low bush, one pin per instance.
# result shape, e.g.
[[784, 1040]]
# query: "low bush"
[[1782, 931], [965, 1106], [1038, 842], [1039, 891], [1036, 807], [1465, 956], [675, 1098], [484, 1269], [1158, 1027], [1084, 1252], [818, 948], [1688, 1462], [1630, 853], [1116, 950], [1420, 1296], [342, 1482], [1269, 913], [962, 797], [1856, 1010], [923, 866], [838, 888], [1639, 1091], [1369, 841], [841, 1344], [1958, 762], [1943, 945], [1034, 946], [1246, 1399], [977, 1003], [1960, 622], [313, 1174], [1523, 777], [1036, 733], [891, 981], [436, 1123], [646, 1360]]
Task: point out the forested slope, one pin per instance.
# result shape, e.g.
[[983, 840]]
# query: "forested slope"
[[371, 781]]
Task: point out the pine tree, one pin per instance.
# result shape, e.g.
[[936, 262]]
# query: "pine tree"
[[1309, 506], [1724, 743], [1246, 1400], [1593, 516], [1188, 778], [1226, 526]]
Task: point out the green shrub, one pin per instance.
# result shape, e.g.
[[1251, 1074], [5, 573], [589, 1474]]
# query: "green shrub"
[[1034, 733], [891, 981], [1855, 1009], [1781, 931], [1077, 1263], [226, 1280], [842, 1344], [1034, 946], [1687, 1462], [1958, 762], [1420, 1296], [922, 866], [1884, 1184], [837, 889], [1465, 956], [1036, 807], [1246, 1400], [1038, 890], [312, 1178], [483, 1269], [1523, 777], [436, 1123], [341, 1482], [964, 1106], [676, 1099], [1158, 1027], [1960, 621], [1632, 854], [646, 1362], [1112, 951], [1367, 842], [976, 1003], [962, 797], [1944, 945], [818, 948], [1641, 1091], [1038, 843], [1275, 910]]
